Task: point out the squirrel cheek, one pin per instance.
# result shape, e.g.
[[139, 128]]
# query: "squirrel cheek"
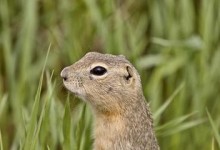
[[91, 78], [109, 90]]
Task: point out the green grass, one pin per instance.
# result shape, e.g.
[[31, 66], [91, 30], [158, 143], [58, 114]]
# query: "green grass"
[[175, 46]]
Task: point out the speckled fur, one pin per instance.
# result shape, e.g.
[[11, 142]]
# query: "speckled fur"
[[122, 116]]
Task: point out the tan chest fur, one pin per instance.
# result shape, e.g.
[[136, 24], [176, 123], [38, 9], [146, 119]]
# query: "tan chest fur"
[[107, 129]]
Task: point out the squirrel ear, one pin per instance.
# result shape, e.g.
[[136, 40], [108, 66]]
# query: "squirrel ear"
[[129, 74]]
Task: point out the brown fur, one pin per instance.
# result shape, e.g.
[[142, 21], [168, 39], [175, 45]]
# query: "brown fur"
[[122, 116]]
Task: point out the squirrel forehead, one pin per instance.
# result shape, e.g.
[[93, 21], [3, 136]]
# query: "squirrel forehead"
[[108, 59]]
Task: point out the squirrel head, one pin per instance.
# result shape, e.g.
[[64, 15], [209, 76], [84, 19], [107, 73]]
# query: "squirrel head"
[[106, 81]]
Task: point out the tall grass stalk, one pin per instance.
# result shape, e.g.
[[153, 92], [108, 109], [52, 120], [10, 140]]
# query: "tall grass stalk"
[[215, 129], [1, 143]]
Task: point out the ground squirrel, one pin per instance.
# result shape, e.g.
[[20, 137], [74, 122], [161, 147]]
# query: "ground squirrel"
[[112, 87]]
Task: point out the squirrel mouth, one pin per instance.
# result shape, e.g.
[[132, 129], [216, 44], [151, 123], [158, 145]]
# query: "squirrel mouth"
[[75, 93], [76, 90]]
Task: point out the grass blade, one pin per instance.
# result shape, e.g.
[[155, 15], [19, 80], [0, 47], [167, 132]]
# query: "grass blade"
[[3, 103], [167, 103], [67, 126], [174, 122], [31, 130], [181, 127], [214, 128], [1, 143]]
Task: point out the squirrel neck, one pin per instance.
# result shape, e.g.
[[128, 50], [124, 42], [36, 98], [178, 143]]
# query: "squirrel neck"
[[128, 124], [134, 102]]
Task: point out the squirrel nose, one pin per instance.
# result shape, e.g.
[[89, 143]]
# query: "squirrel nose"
[[64, 74]]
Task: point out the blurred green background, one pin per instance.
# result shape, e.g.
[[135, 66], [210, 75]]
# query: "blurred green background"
[[174, 44]]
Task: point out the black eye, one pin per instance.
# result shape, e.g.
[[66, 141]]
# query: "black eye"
[[98, 71]]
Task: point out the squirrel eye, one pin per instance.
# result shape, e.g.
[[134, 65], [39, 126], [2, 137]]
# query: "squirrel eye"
[[98, 71]]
